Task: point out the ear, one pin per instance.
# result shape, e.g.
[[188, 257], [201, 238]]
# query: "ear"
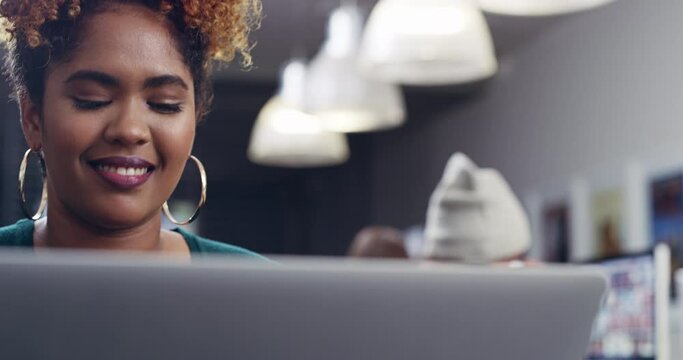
[[30, 122]]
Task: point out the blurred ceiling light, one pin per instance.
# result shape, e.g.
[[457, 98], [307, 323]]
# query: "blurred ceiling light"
[[344, 99], [428, 42], [538, 7], [284, 135]]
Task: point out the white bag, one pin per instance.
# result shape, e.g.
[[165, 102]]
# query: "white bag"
[[474, 216]]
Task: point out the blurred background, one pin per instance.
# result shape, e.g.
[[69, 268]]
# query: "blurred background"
[[579, 110]]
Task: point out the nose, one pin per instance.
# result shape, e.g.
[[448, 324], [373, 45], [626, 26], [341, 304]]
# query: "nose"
[[128, 127]]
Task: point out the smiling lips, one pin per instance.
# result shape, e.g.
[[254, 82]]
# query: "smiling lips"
[[123, 172]]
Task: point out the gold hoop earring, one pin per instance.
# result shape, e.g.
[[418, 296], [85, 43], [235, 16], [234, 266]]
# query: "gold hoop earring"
[[202, 199], [22, 178]]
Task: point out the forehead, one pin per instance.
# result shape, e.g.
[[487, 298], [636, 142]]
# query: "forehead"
[[127, 40]]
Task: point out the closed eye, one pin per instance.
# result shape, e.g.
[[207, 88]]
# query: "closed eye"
[[83, 104], [164, 108]]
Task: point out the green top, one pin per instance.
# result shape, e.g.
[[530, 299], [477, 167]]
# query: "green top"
[[21, 235]]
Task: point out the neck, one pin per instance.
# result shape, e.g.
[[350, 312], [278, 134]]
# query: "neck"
[[63, 229]]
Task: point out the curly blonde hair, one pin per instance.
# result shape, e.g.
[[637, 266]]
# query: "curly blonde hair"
[[40, 32]]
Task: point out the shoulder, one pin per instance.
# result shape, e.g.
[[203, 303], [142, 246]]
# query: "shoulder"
[[19, 234], [200, 245], [215, 247]]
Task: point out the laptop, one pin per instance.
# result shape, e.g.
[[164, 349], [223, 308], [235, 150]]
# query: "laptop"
[[634, 322], [75, 306]]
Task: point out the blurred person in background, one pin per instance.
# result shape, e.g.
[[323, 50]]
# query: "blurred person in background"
[[110, 93], [379, 242], [473, 217]]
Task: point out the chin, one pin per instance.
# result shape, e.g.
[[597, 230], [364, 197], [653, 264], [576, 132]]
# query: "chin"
[[122, 219]]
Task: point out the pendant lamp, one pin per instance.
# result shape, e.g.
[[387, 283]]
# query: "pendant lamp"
[[538, 7], [286, 136], [428, 42], [338, 93]]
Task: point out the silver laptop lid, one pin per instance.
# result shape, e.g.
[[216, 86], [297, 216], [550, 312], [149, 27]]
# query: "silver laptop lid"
[[94, 307]]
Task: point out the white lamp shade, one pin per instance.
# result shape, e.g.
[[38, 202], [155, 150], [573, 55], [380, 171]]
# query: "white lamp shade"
[[427, 42], [286, 136], [344, 99], [538, 7]]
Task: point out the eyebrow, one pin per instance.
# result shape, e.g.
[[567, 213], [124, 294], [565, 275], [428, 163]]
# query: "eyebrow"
[[164, 80], [110, 81], [96, 76]]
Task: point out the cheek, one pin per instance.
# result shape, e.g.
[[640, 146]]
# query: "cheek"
[[174, 143], [67, 134]]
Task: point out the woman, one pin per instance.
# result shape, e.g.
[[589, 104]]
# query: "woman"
[[110, 93]]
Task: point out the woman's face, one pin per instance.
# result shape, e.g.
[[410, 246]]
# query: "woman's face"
[[117, 122]]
